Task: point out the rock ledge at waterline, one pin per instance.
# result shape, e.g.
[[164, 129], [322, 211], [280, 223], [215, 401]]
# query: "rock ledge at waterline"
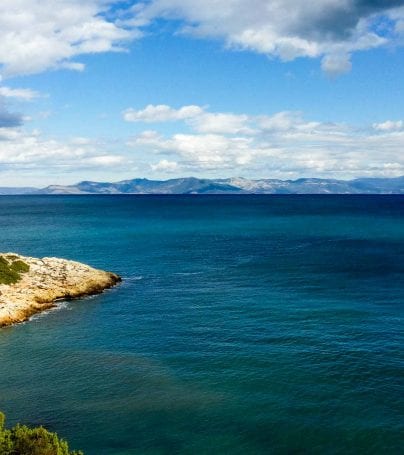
[[30, 285]]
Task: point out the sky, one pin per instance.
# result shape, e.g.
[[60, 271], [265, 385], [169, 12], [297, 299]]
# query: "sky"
[[111, 90]]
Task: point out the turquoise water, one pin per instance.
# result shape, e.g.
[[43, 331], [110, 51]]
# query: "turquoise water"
[[244, 324]]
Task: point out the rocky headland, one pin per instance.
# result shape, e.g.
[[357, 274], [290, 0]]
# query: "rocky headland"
[[30, 285]]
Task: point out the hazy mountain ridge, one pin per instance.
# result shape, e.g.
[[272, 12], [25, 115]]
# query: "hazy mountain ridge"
[[15, 191], [237, 185]]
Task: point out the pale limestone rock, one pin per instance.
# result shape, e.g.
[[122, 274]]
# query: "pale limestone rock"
[[47, 280]]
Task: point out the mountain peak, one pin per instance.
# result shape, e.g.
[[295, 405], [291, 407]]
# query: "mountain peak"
[[232, 185]]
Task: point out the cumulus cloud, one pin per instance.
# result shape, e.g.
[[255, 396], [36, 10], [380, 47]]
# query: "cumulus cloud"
[[287, 29], [148, 137], [281, 121], [25, 94], [161, 113], [389, 125], [335, 65], [209, 150], [104, 160], [165, 166], [20, 149], [221, 123], [40, 35], [284, 144], [36, 36], [195, 116]]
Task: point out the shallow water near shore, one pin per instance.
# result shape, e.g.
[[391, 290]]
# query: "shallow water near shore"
[[244, 324]]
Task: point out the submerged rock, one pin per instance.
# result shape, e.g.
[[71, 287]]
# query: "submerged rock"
[[30, 285]]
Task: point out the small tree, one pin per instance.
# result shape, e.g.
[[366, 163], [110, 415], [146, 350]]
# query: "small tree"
[[22, 440]]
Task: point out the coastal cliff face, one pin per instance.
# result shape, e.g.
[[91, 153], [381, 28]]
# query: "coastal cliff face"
[[30, 285]]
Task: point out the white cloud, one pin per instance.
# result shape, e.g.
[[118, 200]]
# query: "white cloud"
[[221, 123], [165, 166], [335, 64], [195, 116], [281, 121], [19, 93], [207, 150], [79, 140], [39, 35], [284, 145], [287, 29], [389, 125], [148, 137], [104, 160], [202, 152], [161, 113], [20, 149]]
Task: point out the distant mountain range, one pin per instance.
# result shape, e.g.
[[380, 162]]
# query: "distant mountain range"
[[11, 190], [191, 185]]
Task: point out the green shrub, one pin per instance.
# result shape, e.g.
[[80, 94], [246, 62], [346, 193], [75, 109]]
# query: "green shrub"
[[11, 257], [22, 440], [11, 270], [19, 266]]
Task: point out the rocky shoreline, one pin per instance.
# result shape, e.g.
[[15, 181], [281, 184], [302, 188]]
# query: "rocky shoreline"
[[31, 285]]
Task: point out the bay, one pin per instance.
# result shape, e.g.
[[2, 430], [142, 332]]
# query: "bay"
[[244, 324]]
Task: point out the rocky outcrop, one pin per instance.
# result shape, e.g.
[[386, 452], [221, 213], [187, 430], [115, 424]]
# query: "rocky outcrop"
[[42, 282]]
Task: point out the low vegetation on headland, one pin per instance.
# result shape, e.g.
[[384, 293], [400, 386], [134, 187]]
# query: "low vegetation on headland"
[[29, 285], [23, 440], [11, 269]]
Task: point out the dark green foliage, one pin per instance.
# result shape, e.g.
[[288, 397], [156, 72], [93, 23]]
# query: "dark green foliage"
[[11, 269], [19, 266], [22, 440]]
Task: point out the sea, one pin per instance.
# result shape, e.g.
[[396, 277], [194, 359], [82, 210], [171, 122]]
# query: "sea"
[[245, 324]]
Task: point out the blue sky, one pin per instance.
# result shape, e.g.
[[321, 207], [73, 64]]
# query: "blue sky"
[[107, 90]]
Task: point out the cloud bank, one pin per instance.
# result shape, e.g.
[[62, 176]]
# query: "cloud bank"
[[287, 29], [38, 35], [284, 145], [24, 151], [215, 144]]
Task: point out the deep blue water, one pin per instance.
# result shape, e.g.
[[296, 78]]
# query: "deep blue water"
[[244, 324]]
